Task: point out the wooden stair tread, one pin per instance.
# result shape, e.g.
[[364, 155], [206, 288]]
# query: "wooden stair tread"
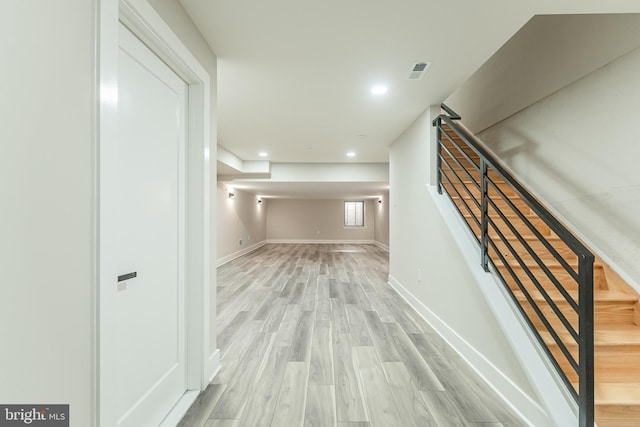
[[617, 393], [611, 336]]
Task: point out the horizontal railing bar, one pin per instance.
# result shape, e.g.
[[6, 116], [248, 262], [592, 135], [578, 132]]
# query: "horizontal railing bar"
[[461, 199], [471, 196], [458, 148], [538, 234], [561, 316], [459, 165], [537, 310], [533, 203], [533, 328], [535, 256], [461, 215]]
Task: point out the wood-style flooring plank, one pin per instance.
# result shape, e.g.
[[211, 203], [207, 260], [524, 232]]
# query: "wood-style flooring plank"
[[444, 409], [380, 307], [361, 298], [289, 411], [420, 371], [298, 293], [378, 398], [266, 306], [288, 325], [323, 287], [301, 342], [199, 411], [320, 409], [382, 342], [261, 404], [323, 311], [310, 294], [349, 396], [345, 289], [234, 355], [321, 364], [410, 403], [232, 328], [358, 326], [339, 321], [239, 388], [274, 318]]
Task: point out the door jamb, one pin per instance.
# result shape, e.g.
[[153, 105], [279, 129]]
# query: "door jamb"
[[146, 24]]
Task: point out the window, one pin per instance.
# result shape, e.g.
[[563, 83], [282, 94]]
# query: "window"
[[354, 214]]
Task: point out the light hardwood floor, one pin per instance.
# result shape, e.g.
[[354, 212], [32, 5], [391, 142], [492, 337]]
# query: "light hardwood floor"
[[312, 335]]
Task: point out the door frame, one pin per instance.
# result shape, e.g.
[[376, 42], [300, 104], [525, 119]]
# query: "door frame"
[[147, 25]]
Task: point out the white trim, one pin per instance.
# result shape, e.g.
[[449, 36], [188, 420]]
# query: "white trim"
[[321, 242], [559, 404], [238, 254], [381, 245], [180, 409], [144, 21], [214, 364], [513, 395]]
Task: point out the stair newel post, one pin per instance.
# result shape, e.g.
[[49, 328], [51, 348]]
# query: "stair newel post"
[[484, 215], [438, 154], [586, 365]]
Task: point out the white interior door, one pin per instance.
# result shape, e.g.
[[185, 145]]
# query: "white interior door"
[[149, 310]]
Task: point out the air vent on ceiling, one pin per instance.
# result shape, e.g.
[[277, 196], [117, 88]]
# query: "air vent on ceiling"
[[418, 70]]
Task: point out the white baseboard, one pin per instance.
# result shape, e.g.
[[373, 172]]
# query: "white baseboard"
[[180, 408], [559, 404], [213, 364], [496, 379], [231, 257], [321, 242], [184, 403], [381, 245]]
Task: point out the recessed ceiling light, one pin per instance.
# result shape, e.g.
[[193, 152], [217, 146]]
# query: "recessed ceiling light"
[[263, 154], [351, 154], [379, 90]]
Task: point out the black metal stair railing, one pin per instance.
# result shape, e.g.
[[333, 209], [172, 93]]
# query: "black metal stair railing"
[[547, 271]]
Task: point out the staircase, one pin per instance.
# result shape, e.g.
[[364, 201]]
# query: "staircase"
[[530, 277]]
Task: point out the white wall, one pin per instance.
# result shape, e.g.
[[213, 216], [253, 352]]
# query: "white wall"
[[47, 204], [381, 221], [426, 262], [240, 218], [579, 149], [548, 53], [330, 172], [47, 209], [175, 16], [315, 220]]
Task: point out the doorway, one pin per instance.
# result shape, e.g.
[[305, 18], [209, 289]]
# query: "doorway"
[[153, 353]]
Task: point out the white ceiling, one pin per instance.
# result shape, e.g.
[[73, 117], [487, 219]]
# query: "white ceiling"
[[294, 76]]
